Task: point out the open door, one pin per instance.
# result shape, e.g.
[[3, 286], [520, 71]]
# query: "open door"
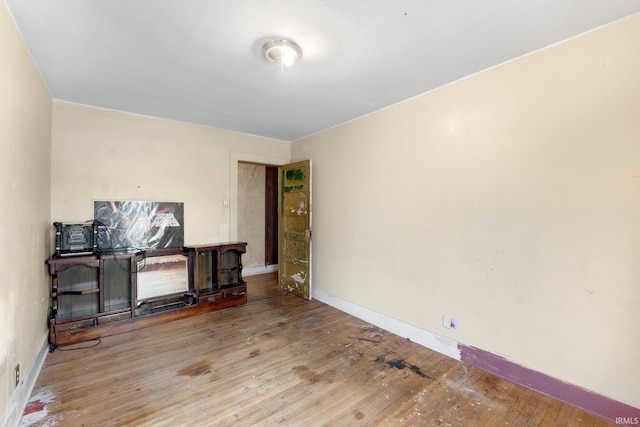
[[294, 228]]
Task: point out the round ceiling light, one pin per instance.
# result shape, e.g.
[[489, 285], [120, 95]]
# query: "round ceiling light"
[[283, 52]]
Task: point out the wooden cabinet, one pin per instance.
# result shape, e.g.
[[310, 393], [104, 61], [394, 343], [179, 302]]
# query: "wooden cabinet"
[[87, 291], [100, 295], [75, 286], [218, 271]]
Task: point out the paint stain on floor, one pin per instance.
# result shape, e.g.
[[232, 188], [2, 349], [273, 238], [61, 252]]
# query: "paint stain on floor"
[[401, 364], [35, 413]]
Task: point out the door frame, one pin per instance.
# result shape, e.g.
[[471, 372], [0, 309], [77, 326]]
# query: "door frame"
[[232, 208]]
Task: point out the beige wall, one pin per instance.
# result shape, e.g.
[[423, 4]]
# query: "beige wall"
[[510, 200], [251, 212], [25, 133], [104, 155]]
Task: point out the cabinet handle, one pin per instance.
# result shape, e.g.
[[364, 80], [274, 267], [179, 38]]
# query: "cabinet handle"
[[237, 293], [211, 299]]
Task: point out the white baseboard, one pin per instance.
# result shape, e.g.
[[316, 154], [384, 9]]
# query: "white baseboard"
[[252, 271], [23, 392], [424, 337]]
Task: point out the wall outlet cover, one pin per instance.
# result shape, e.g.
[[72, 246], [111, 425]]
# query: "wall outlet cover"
[[454, 323], [446, 321], [449, 322]]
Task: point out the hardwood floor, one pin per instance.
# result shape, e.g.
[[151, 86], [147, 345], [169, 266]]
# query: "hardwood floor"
[[278, 360]]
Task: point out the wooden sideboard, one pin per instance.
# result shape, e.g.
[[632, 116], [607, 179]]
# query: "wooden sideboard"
[[100, 295]]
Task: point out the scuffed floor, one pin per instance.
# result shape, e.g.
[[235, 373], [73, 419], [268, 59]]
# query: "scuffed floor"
[[278, 360]]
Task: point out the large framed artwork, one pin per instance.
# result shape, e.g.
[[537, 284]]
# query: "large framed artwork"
[[138, 225]]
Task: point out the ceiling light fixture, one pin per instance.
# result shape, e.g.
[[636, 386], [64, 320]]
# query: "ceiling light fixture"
[[283, 52]]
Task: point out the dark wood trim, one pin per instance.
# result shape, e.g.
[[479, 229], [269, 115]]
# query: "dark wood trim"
[[271, 216]]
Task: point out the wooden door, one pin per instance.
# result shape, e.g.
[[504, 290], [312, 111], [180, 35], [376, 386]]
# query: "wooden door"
[[294, 228]]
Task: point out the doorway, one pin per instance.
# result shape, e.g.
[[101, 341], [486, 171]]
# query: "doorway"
[[257, 213], [235, 158]]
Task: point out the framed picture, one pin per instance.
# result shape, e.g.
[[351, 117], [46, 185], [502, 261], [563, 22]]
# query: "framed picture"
[[138, 225]]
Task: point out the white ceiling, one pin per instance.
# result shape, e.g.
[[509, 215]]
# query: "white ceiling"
[[199, 61]]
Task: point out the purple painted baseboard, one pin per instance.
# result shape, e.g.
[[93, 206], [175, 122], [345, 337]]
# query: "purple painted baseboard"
[[588, 401]]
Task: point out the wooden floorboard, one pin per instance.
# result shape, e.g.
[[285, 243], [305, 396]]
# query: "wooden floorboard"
[[278, 360]]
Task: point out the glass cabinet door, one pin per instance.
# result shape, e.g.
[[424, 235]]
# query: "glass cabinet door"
[[117, 283], [78, 292]]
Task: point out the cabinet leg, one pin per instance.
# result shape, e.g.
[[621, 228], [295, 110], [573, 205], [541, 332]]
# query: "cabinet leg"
[[52, 335]]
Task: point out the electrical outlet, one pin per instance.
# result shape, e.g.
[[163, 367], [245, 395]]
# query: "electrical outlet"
[[449, 322], [454, 323], [446, 321], [16, 375]]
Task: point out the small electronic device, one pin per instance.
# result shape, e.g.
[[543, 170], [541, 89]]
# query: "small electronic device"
[[76, 239]]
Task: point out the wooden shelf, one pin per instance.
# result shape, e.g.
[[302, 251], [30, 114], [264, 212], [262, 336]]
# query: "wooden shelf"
[[96, 295]]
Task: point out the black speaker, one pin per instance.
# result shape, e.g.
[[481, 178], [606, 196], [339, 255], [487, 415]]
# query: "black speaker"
[[76, 239]]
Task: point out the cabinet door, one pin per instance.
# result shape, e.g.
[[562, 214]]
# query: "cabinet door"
[[78, 292], [228, 278], [206, 268], [117, 283], [230, 268]]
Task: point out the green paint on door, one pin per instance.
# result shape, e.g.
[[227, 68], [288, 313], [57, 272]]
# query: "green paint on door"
[[295, 175], [293, 188]]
